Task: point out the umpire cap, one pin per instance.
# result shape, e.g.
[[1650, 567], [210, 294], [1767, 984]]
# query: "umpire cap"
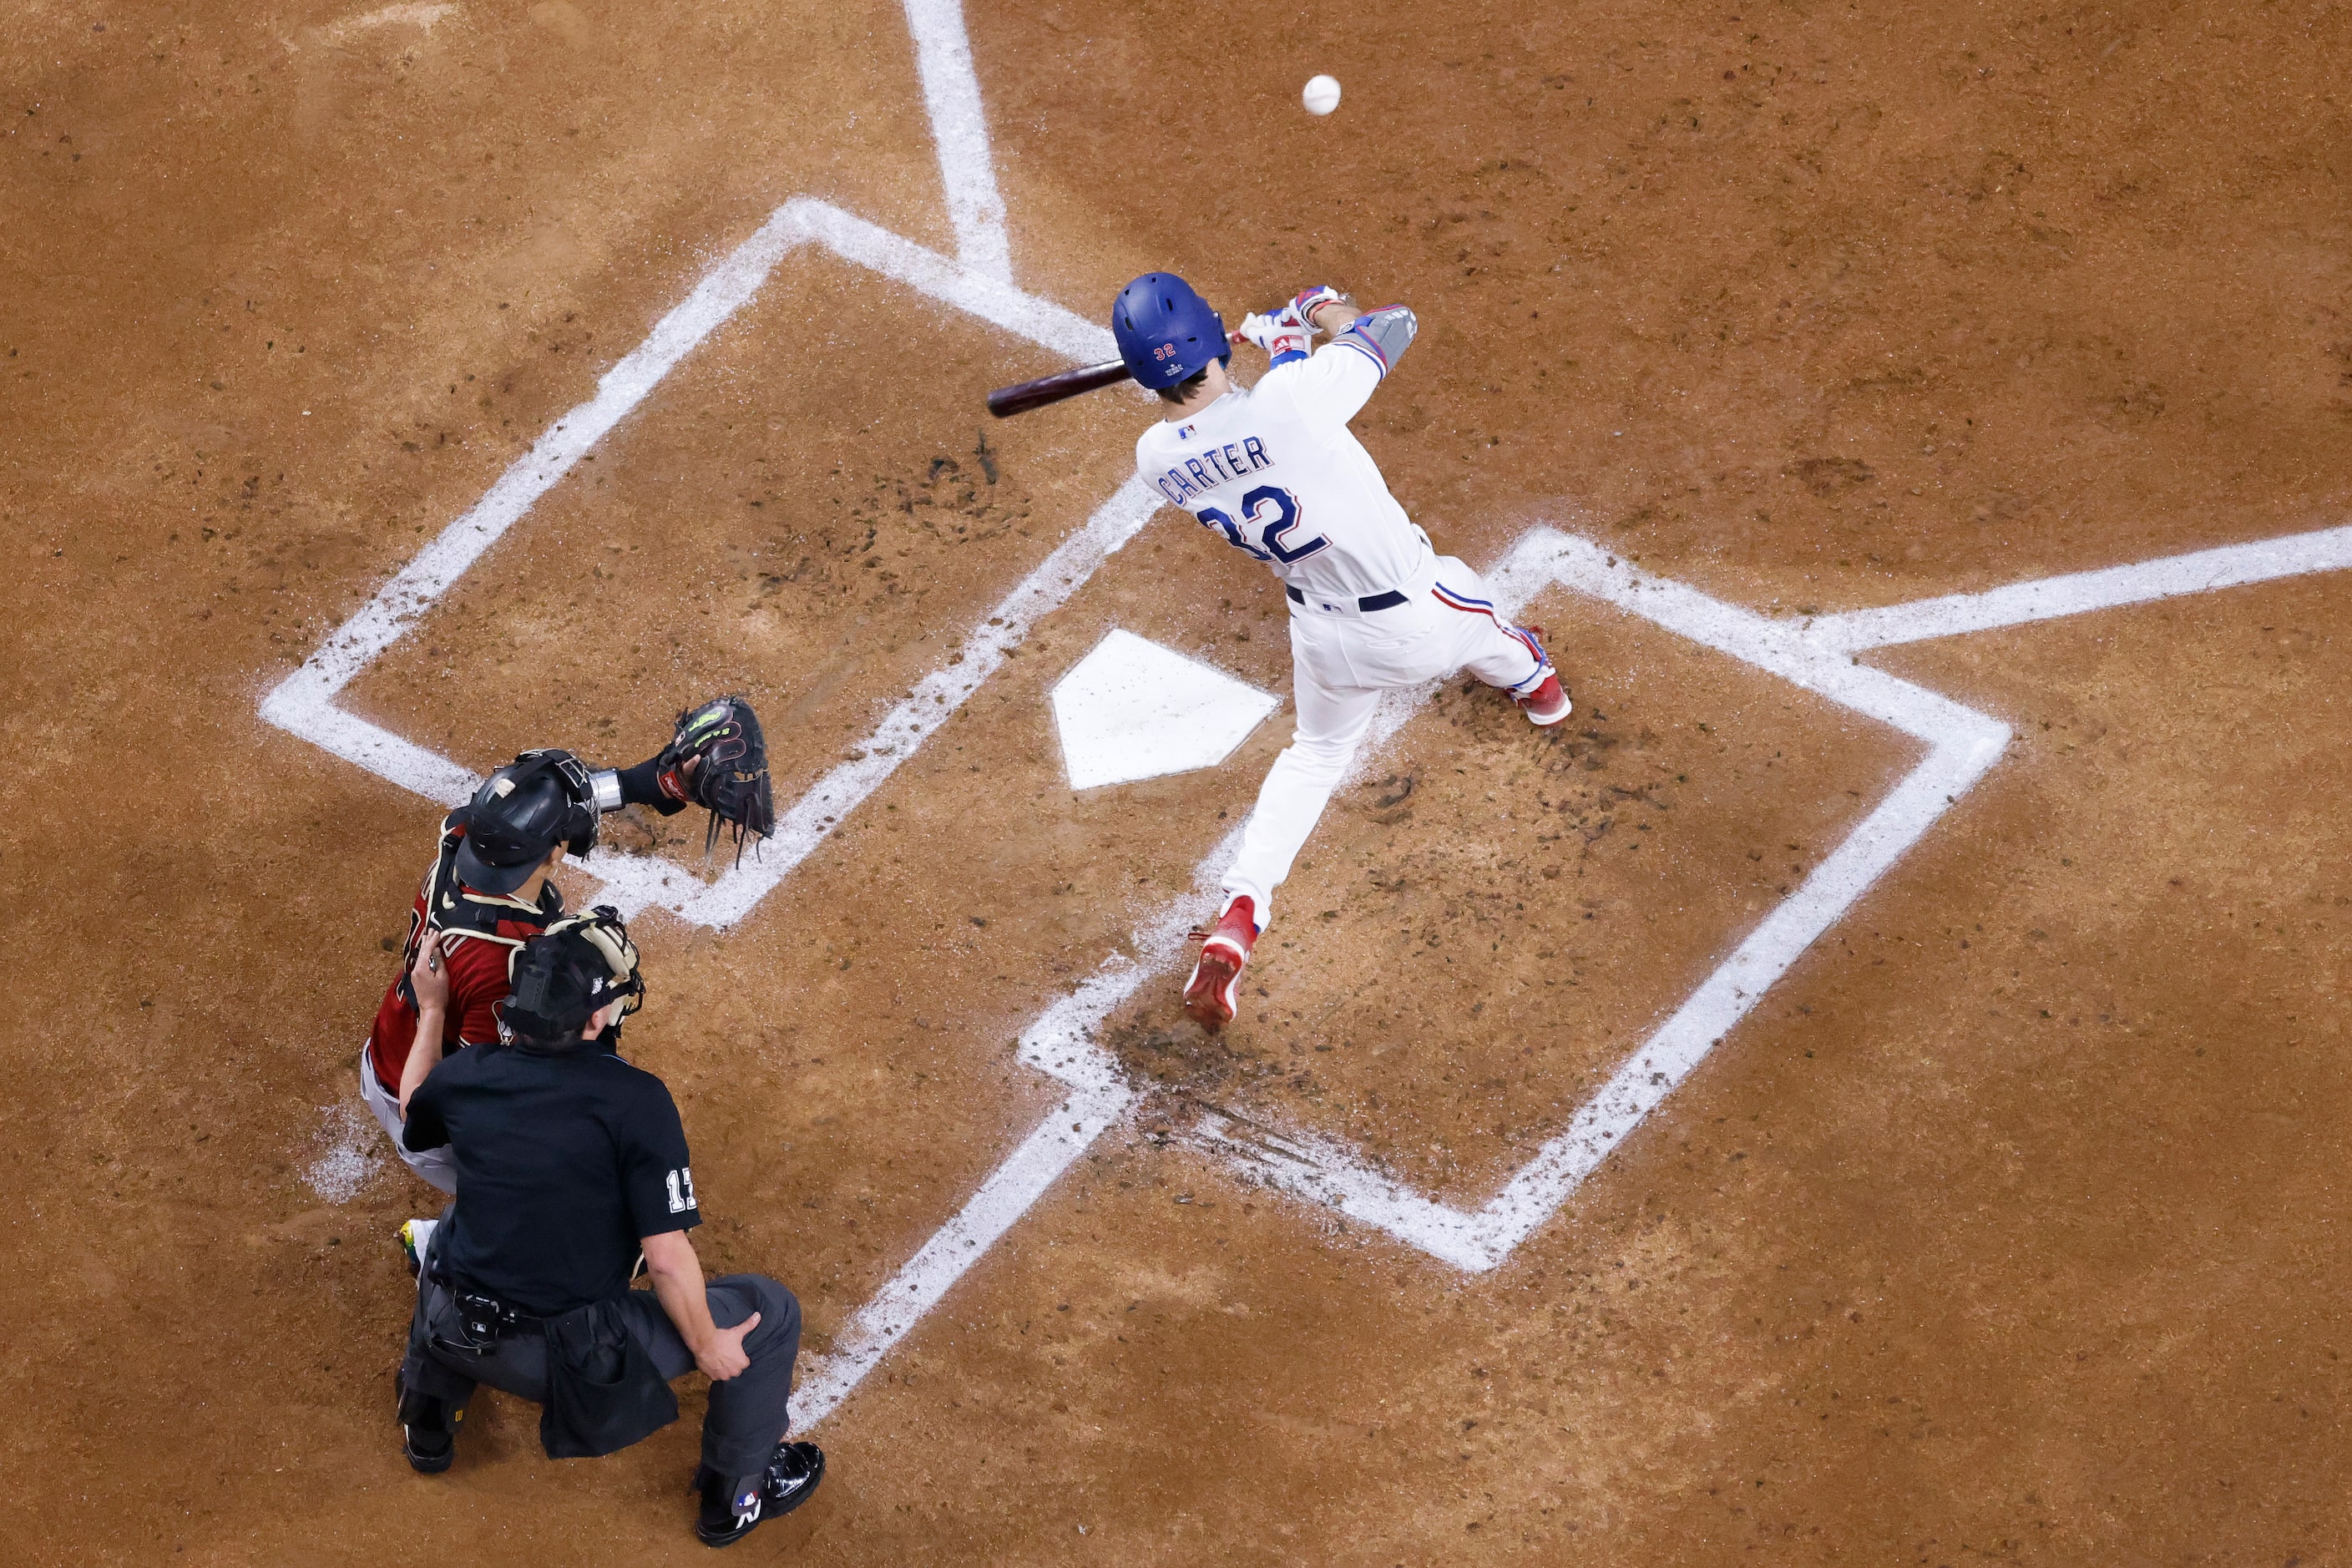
[[522, 811]]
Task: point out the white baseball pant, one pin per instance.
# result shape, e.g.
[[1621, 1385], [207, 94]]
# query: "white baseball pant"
[[1341, 660], [434, 1165]]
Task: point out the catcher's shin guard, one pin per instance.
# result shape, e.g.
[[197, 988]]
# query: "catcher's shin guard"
[[1213, 994]]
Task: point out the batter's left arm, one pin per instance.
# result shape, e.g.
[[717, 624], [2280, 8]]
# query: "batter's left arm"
[[1382, 335], [1386, 330]]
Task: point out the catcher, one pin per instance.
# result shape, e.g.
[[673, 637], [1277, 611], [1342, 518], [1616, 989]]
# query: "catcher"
[[487, 891]]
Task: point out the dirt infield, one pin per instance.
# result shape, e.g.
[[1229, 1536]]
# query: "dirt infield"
[[2002, 1228]]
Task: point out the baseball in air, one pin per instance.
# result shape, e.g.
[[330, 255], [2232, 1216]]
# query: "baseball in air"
[[1322, 94]]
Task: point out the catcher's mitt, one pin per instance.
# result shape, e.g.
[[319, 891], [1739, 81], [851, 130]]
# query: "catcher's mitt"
[[723, 735]]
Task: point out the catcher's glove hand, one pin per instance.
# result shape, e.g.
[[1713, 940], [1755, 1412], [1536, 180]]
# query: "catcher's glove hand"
[[718, 759]]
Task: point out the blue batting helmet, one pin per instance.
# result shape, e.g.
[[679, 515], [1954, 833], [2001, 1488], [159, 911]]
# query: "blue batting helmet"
[[1166, 332]]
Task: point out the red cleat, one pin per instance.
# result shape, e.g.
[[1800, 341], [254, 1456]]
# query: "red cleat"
[[1213, 994], [1546, 704]]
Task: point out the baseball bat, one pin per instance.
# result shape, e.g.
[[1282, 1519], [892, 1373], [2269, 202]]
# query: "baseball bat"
[[1007, 401], [1022, 396]]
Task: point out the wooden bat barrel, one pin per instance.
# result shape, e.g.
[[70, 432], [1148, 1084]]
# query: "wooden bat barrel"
[[1006, 401]]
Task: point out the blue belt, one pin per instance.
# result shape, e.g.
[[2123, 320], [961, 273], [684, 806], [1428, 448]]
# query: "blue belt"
[[1369, 602]]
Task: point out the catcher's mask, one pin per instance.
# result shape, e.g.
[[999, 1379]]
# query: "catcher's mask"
[[576, 969], [522, 811]]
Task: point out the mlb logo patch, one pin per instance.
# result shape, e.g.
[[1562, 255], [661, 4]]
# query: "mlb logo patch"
[[1184, 432]]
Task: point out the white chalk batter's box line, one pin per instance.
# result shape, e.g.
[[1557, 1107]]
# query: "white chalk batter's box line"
[[305, 702], [1961, 745], [1818, 656], [1821, 656]]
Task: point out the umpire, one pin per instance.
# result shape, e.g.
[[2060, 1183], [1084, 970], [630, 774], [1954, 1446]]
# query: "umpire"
[[570, 1162]]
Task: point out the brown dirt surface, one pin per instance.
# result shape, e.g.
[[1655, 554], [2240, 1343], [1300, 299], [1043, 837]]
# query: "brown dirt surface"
[[1485, 925], [2004, 1228]]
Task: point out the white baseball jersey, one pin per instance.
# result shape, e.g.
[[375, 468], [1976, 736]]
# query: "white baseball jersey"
[[1274, 469]]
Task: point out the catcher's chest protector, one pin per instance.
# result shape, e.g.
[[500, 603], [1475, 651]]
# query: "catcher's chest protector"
[[463, 915]]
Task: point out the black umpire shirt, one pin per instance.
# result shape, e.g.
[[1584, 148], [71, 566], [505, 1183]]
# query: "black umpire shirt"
[[565, 1160]]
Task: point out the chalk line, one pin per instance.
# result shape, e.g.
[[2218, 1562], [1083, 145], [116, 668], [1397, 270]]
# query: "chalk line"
[[977, 281], [2046, 599], [1963, 743], [419, 14], [303, 704], [959, 132], [811, 819], [1061, 1041], [1009, 1193], [983, 294]]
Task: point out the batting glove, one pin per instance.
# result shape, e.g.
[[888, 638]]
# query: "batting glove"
[[1303, 307], [1278, 334]]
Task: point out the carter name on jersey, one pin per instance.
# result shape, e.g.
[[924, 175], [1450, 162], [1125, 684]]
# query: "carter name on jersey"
[[1215, 467]]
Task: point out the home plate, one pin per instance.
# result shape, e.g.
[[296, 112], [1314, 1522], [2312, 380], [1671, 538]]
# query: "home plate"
[[1132, 710]]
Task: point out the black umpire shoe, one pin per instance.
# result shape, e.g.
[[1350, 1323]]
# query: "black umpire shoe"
[[731, 1512], [428, 1431]]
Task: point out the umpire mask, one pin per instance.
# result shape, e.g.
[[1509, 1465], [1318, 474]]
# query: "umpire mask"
[[566, 976]]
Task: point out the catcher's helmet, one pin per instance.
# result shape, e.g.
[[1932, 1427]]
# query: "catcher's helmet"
[[522, 811], [1166, 332], [567, 974]]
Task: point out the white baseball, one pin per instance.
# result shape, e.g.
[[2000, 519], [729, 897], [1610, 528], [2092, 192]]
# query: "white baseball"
[[1322, 94]]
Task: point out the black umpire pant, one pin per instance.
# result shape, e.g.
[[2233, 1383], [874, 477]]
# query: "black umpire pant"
[[748, 1412]]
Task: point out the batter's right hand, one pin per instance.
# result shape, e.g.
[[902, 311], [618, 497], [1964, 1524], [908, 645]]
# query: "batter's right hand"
[[724, 1356], [1278, 334]]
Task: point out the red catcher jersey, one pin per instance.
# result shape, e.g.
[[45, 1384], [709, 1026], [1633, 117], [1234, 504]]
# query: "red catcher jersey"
[[477, 968]]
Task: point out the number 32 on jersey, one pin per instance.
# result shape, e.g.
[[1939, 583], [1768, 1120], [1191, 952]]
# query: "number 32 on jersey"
[[1269, 512]]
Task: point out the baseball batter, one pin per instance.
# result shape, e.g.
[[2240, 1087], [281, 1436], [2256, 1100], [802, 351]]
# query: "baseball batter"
[[1273, 470]]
